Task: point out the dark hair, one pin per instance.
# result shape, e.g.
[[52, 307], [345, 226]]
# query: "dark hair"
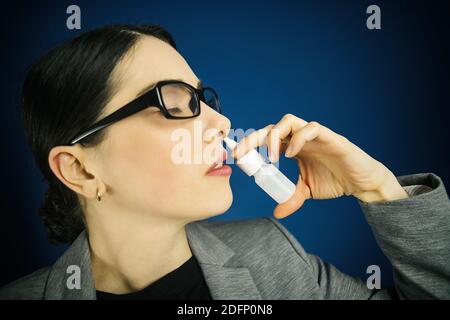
[[64, 92]]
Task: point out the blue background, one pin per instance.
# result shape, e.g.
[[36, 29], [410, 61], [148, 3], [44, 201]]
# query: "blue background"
[[385, 90]]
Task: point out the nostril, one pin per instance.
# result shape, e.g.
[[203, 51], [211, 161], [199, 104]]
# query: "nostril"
[[222, 134]]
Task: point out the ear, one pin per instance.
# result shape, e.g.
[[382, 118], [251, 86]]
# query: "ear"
[[68, 163]]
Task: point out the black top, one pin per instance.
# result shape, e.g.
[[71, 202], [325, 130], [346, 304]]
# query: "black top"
[[184, 283]]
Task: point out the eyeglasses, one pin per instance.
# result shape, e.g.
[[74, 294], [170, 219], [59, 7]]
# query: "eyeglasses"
[[175, 99]]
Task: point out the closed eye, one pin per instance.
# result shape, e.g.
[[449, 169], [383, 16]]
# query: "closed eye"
[[174, 110]]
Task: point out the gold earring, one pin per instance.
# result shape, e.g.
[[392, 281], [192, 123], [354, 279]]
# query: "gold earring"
[[99, 198]]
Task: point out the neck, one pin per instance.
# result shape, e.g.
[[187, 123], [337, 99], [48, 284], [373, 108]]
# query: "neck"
[[129, 254]]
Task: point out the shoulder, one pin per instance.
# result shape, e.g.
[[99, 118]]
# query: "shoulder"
[[30, 287]]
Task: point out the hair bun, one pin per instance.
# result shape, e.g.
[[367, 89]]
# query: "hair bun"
[[61, 214]]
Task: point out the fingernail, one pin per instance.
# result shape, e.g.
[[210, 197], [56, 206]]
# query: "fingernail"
[[288, 152]]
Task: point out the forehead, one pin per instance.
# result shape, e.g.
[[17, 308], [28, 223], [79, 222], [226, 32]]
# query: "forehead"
[[149, 61]]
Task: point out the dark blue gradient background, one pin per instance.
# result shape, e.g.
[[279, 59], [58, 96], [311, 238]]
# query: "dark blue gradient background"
[[387, 91]]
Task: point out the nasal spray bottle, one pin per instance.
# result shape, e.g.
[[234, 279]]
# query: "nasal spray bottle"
[[266, 175]]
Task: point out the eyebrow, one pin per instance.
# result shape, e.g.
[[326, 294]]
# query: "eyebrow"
[[149, 87]]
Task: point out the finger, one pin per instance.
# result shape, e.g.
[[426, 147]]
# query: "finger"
[[301, 194], [253, 140], [274, 143], [306, 134], [288, 125]]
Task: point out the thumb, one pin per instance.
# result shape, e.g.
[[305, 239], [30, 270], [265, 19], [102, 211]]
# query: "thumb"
[[302, 193]]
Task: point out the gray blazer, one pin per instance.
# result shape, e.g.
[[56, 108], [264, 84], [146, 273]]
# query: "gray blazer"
[[260, 259]]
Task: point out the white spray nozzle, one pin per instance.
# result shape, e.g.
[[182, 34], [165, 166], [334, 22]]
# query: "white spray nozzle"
[[250, 162], [230, 143], [267, 176]]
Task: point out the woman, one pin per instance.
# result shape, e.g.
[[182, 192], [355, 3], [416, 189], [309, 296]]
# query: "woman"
[[100, 112]]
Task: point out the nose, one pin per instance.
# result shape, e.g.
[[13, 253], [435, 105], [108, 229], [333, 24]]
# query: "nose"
[[216, 121]]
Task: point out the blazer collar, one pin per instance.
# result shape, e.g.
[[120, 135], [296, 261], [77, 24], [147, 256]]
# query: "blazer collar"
[[225, 277], [78, 256], [224, 273]]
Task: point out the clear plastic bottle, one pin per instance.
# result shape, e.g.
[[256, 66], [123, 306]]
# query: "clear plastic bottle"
[[266, 175]]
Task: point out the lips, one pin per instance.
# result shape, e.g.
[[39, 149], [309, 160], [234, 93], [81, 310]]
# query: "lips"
[[218, 163]]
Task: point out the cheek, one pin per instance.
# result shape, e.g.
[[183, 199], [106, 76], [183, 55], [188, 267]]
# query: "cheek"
[[146, 164], [142, 169], [142, 175]]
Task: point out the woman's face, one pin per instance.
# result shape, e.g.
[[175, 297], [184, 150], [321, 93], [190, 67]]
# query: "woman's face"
[[136, 160]]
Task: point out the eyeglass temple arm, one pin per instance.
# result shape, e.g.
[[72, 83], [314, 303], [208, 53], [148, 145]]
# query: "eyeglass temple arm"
[[140, 103]]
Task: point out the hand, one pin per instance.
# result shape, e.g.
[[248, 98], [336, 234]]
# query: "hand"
[[330, 165]]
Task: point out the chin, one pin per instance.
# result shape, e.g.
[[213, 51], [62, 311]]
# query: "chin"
[[217, 204]]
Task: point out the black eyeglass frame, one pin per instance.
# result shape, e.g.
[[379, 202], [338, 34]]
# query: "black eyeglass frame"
[[152, 98]]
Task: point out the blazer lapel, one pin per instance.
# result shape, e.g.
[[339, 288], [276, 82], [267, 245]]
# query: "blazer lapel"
[[225, 278], [74, 262]]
